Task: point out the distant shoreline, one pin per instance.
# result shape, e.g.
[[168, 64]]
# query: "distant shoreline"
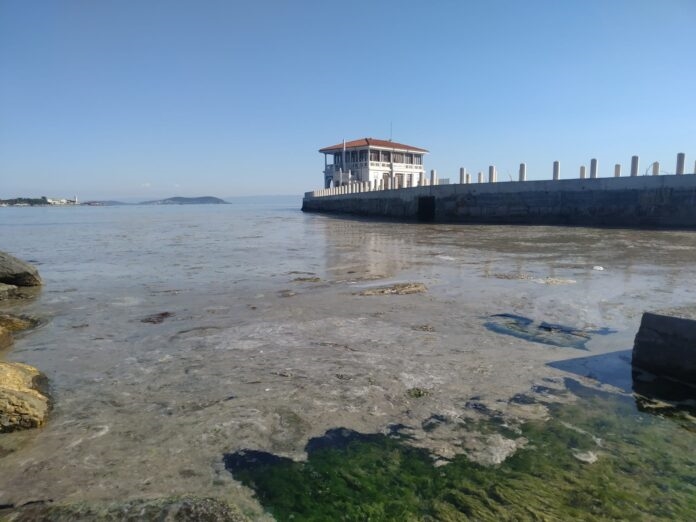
[[45, 202]]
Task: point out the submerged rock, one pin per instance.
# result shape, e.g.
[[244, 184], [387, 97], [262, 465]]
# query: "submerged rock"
[[7, 291], [179, 509], [396, 289], [16, 323], [24, 401], [543, 332], [16, 272]]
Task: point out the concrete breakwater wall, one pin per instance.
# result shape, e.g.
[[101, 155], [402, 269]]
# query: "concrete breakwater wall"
[[636, 201]]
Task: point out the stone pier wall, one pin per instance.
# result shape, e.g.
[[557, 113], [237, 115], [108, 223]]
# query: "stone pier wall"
[[640, 201]]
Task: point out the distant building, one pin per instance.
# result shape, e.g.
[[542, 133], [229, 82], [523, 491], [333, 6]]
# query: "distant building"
[[369, 159]]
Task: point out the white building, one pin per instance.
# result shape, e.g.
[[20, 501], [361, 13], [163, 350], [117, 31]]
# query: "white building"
[[369, 159]]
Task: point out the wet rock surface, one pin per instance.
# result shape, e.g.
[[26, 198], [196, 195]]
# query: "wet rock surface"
[[177, 509], [16, 272], [24, 401]]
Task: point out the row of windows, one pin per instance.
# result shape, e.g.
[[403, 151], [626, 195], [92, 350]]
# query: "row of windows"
[[353, 156]]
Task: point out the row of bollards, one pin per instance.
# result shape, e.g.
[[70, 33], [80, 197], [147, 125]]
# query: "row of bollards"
[[464, 178], [393, 182]]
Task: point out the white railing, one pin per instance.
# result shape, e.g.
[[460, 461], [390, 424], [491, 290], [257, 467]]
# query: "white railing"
[[394, 182]]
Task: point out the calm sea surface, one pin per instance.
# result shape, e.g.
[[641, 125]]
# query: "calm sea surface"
[[177, 339]]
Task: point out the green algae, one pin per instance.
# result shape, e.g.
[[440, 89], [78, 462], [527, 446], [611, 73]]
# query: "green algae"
[[645, 470]]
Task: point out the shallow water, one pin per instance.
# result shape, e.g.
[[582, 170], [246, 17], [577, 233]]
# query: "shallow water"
[[264, 342]]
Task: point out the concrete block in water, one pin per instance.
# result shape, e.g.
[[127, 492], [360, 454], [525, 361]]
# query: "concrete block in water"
[[666, 344]]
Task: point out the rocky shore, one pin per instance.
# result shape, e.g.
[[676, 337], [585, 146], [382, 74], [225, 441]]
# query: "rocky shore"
[[24, 398]]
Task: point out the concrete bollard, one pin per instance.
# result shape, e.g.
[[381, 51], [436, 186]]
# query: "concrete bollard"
[[556, 170], [421, 179], [656, 169], [634, 166], [582, 171], [467, 179], [480, 177], [491, 174], [523, 172], [694, 167], [593, 168], [433, 177], [617, 170], [681, 160], [462, 175]]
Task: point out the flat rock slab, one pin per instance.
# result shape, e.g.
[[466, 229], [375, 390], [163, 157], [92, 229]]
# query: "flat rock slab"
[[666, 344], [16, 272], [24, 401]]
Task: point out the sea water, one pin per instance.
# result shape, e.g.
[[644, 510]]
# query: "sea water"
[[231, 351]]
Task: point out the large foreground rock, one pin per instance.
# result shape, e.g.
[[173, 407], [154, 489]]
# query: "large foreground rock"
[[666, 344], [16, 272], [24, 401]]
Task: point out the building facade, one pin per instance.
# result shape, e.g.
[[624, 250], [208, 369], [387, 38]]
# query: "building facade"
[[372, 160]]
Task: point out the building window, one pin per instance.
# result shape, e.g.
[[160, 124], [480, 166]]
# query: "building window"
[[374, 155], [398, 157], [386, 155], [408, 159], [418, 159], [363, 156]]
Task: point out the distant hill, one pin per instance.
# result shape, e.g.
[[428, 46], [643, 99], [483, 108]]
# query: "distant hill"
[[108, 203], [203, 200]]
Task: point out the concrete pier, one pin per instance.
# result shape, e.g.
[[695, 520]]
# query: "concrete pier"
[[636, 201], [593, 168], [666, 344]]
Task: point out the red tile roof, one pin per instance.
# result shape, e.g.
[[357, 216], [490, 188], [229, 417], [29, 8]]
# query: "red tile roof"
[[372, 142]]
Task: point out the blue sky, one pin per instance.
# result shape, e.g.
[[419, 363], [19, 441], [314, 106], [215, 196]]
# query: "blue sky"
[[119, 99]]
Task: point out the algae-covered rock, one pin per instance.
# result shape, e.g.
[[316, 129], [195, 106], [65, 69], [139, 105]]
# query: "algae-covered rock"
[[16, 272], [16, 323], [5, 338], [24, 401], [179, 509]]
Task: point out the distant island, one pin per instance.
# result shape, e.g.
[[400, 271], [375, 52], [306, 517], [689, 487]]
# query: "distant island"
[[44, 201], [203, 200]]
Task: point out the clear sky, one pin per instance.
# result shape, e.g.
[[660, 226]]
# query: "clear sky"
[[118, 99]]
